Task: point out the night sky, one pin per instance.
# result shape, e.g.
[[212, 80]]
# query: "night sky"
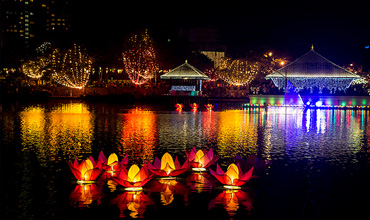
[[338, 30]]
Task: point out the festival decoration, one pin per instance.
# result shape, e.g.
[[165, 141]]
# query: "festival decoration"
[[194, 106], [87, 172], [139, 58], [209, 107], [136, 202], [233, 178], [179, 107], [201, 159], [238, 72], [86, 194], [166, 167], [71, 68], [112, 164], [133, 179], [168, 188], [35, 68]]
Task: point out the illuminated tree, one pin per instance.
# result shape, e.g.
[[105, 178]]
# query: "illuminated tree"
[[35, 68], [139, 58], [71, 68], [237, 72]]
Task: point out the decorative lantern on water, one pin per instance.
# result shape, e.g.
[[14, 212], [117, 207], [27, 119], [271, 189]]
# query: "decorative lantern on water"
[[200, 160], [179, 106], [133, 179], [86, 172], [233, 178], [112, 164], [166, 167]]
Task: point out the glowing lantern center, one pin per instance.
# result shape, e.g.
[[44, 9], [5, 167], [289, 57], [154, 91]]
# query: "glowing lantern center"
[[112, 158], [232, 172], [85, 166], [167, 163], [132, 174], [199, 157]]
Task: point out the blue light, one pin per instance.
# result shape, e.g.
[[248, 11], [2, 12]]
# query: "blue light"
[[367, 47]]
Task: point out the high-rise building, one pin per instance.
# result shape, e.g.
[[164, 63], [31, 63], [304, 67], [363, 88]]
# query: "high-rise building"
[[26, 24], [208, 42]]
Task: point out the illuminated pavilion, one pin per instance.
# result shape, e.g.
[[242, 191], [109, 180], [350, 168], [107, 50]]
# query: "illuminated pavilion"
[[185, 80], [313, 70]]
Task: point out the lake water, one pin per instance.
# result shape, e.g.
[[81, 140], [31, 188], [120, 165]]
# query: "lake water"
[[319, 161]]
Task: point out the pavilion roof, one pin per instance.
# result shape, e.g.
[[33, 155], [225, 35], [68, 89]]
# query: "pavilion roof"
[[185, 71], [312, 65]]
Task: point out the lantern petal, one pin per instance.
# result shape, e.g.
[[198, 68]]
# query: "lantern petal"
[[112, 158], [219, 171], [76, 173], [247, 175], [92, 161], [218, 177], [177, 164], [157, 163], [125, 160], [102, 157]]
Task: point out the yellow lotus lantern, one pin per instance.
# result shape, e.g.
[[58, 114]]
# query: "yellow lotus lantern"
[[112, 164], [133, 179], [200, 160], [167, 167], [86, 172]]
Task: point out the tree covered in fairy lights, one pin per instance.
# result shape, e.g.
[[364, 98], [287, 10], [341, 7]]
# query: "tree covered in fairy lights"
[[237, 72], [71, 68], [240, 72], [139, 58], [35, 68]]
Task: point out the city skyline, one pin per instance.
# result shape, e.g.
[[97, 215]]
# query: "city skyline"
[[338, 30]]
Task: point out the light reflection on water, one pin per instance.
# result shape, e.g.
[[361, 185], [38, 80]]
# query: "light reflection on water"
[[59, 132]]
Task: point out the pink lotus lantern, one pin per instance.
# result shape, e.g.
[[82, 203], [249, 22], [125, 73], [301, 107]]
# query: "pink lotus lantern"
[[233, 178], [179, 107], [166, 167], [200, 160], [133, 179], [209, 107], [86, 172], [112, 164]]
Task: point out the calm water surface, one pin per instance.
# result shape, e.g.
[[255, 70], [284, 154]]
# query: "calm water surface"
[[318, 161]]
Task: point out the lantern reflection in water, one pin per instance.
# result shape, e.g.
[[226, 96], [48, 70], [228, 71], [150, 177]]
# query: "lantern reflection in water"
[[135, 202], [237, 133], [168, 189], [231, 199], [138, 135], [200, 182], [84, 195], [66, 129]]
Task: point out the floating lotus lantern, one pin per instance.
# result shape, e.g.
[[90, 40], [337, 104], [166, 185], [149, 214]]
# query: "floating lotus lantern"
[[233, 178], [133, 179], [200, 160], [112, 164], [86, 172], [167, 168], [209, 107], [179, 107], [194, 106]]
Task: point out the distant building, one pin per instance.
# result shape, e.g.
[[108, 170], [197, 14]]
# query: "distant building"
[[313, 71], [208, 42], [26, 24]]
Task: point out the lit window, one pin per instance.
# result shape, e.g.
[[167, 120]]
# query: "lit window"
[[43, 5]]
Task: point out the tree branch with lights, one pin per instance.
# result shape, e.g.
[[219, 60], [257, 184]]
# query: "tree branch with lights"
[[139, 58]]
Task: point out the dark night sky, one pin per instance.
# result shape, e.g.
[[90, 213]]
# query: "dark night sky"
[[339, 30]]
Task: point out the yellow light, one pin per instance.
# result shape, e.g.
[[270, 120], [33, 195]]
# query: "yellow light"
[[134, 189], [229, 187], [198, 169]]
